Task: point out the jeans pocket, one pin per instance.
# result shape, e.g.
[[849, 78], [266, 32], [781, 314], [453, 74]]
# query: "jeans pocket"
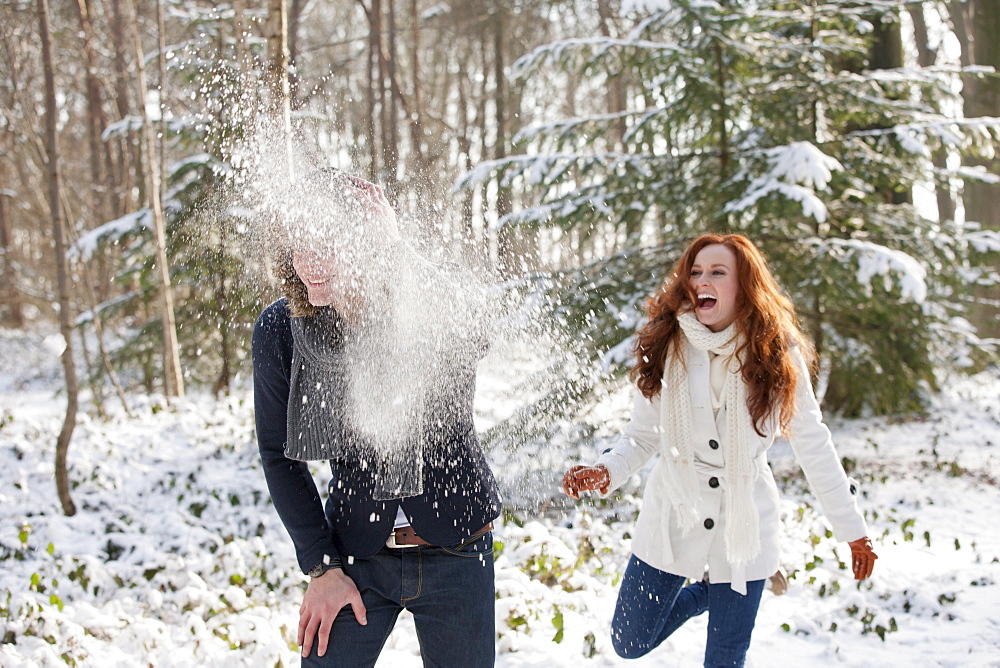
[[477, 546]]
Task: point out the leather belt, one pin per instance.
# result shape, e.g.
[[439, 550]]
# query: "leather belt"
[[407, 537]]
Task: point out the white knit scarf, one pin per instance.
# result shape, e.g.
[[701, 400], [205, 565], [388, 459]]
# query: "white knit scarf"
[[742, 533]]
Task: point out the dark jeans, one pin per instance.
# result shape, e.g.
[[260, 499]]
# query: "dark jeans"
[[449, 591], [652, 604]]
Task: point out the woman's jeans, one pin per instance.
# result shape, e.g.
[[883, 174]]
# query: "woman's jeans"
[[449, 590], [652, 604]]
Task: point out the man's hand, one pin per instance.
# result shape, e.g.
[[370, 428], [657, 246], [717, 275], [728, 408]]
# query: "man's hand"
[[585, 479], [384, 230], [862, 557], [325, 597]]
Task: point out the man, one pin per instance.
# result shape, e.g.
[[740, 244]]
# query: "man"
[[369, 362]]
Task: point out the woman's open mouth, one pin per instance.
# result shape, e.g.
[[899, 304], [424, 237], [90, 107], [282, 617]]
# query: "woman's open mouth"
[[706, 301]]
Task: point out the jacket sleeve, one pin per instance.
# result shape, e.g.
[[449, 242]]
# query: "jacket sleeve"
[[291, 485], [639, 441], [813, 448]]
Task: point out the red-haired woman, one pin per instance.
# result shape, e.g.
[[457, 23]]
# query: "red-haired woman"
[[721, 368]]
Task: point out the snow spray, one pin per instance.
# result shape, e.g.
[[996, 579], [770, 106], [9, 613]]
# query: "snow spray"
[[429, 320]]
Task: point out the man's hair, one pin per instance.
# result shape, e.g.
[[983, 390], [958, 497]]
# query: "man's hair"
[[291, 285]]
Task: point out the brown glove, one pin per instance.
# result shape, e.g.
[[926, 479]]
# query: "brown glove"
[[585, 479], [862, 557]]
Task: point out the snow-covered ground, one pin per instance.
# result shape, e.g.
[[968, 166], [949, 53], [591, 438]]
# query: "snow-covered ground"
[[176, 558]]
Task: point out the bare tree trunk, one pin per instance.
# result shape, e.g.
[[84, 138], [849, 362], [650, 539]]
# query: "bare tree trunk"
[[887, 47], [90, 376], [173, 380], [94, 125], [102, 349], [886, 54], [505, 241], [293, 53], [465, 152], [277, 75], [816, 323], [104, 192], [225, 320], [248, 103], [62, 273], [484, 151], [88, 283], [926, 57], [240, 34], [129, 175], [616, 89], [380, 92], [722, 122], [417, 112], [374, 82], [390, 145], [9, 296], [119, 38], [162, 89], [975, 23], [102, 205]]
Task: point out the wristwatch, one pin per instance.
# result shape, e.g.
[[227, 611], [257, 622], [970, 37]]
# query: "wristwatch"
[[321, 568]]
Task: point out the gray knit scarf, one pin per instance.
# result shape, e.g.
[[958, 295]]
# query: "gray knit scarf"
[[342, 405], [315, 393]]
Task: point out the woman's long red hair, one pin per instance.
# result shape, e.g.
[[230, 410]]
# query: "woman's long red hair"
[[764, 316]]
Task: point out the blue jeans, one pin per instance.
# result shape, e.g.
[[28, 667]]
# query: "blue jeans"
[[652, 604], [449, 591]]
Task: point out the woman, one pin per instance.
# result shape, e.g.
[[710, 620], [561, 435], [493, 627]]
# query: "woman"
[[721, 368]]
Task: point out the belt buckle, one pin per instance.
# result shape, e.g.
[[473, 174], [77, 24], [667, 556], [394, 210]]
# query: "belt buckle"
[[390, 542]]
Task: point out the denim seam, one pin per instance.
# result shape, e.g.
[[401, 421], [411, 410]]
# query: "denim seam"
[[454, 550], [420, 578]]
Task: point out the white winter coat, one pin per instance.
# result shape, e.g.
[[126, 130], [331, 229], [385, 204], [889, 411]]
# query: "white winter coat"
[[658, 539]]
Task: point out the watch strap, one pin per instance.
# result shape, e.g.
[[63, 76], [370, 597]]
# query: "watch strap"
[[322, 567]]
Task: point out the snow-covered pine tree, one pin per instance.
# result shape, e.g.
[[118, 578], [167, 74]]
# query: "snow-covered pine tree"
[[768, 119], [218, 279]]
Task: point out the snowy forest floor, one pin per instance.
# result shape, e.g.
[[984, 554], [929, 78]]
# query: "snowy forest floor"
[[176, 558]]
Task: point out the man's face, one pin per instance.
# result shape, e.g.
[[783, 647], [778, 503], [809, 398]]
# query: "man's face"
[[338, 238], [326, 280]]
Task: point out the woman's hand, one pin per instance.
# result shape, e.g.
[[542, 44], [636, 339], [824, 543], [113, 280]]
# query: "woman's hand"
[[862, 557], [585, 479], [325, 597]]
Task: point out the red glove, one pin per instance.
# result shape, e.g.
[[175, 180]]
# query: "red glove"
[[585, 479], [862, 557]]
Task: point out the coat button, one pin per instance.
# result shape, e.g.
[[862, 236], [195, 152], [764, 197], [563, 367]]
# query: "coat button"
[[714, 444], [709, 523], [713, 482]]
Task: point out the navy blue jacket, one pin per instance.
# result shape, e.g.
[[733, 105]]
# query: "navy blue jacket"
[[460, 494]]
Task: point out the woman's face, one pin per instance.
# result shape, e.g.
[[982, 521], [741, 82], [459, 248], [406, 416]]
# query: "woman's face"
[[714, 282]]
